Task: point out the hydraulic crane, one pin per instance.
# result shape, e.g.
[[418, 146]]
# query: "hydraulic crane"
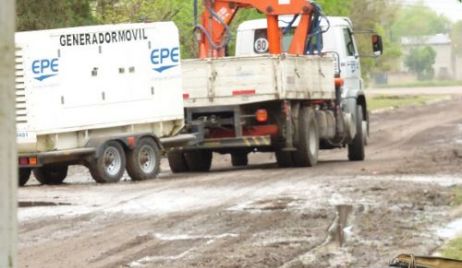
[[213, 32]]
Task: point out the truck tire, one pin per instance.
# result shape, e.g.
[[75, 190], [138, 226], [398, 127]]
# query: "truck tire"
[[199, 160], [23, 176], [143, 162], [356, 150], [51, 174], [365, 127], [239, 159], [177, 161], [110, 166], [308, 143], [284, 159]]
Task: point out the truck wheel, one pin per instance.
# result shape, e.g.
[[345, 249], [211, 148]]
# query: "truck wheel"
[[110, 166], [199, 160], [356, 147], [284, 159], [308, 144], [239, 159], [143, 162], [23, 176], [51, 174], [177, 161]]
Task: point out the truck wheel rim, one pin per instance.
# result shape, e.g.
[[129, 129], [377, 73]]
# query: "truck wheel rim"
[[312, 141], [112, 161], [147, 159]]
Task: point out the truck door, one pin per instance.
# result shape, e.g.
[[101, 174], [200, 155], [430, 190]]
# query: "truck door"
[[349, 64]]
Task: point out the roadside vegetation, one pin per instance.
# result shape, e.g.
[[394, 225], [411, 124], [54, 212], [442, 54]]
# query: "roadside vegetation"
[[430, 83], [453, 249], [457, 199], [384, 102]]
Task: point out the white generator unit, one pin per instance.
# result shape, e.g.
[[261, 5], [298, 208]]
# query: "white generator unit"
[[108, 97]]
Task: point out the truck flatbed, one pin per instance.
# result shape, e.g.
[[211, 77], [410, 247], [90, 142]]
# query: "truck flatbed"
[[252, 79]]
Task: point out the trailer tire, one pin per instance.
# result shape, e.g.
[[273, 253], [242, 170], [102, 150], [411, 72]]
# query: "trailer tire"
[[239, 159], [177, 161], [199, 160], [143, 162], [284, 159], [110, 166], [23, 176], [308, 141], [51, 174], [356, 150]]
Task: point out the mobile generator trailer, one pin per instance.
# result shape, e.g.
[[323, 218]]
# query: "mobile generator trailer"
[[107, 97]]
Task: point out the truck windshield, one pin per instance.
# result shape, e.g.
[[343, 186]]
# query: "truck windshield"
[[261, 45]]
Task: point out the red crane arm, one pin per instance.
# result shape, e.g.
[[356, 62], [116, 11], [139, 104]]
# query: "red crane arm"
[[218, 14]]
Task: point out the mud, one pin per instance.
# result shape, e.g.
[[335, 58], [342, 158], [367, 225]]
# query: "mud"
[[337, 214]]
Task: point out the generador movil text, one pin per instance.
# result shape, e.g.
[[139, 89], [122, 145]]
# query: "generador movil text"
[[85, 39]]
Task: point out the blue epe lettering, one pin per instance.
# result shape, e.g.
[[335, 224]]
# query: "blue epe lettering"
[[40, 66], [45, 68], [165, 55]]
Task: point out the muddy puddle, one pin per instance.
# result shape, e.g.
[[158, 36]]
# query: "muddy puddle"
[[451, 230]]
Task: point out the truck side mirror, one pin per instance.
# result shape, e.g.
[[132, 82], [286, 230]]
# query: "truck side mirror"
[[377, 45]]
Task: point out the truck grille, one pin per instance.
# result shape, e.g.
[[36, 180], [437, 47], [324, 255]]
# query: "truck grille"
[[21, 110]]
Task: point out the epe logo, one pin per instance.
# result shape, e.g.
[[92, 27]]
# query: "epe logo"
[[45, 68], [165, 58]]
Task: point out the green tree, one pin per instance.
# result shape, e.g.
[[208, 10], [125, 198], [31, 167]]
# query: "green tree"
[[419, 20], [48, 14], [420, 60], [368, 15], [179, 11], [456, 37], [336, 7]]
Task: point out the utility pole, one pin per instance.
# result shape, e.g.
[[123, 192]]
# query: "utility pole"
[[8, 162]]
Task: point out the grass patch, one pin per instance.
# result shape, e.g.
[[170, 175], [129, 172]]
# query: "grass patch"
[[453, 249], [456, 196], [435, 83], [382, 102]]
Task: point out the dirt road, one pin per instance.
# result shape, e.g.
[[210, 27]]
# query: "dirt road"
[[337, 214]]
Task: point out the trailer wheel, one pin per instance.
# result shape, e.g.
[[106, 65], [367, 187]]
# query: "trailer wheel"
[[240, 159], [23, 176], [199, 160], [110, 166], [308, 144], [177, 161], [143, 162], [284, 159], [51, 174], [356, 150]]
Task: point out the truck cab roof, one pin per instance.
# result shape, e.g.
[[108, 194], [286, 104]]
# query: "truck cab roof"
[[285, 20]]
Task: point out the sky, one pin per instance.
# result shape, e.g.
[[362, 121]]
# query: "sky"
[[450, 8]]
